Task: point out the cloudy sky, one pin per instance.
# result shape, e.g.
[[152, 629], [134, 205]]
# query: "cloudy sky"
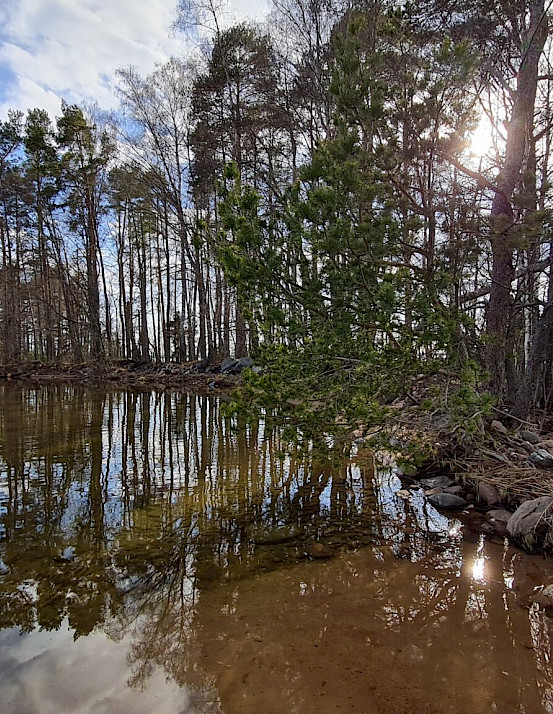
[[70, 49]]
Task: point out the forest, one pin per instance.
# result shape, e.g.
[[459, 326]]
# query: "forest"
[[307, 191]]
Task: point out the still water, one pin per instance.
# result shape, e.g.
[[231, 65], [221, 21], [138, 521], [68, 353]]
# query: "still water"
[[158, 557]]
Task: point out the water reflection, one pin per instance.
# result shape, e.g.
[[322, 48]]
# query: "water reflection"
[[180, 543]]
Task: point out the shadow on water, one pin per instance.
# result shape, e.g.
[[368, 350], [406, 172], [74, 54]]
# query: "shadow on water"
[[200, 568]]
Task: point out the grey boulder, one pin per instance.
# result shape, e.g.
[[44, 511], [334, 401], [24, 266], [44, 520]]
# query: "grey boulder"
[[234, 366], [529, 517], [448, 501], [436, 482], [530, 436], [542, 459], [499, 514], [488, 493]]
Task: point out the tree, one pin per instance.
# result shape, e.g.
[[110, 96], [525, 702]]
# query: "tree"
[[85, 154]]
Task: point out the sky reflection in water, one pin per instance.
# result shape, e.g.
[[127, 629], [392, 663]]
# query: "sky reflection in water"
[[158, 557]]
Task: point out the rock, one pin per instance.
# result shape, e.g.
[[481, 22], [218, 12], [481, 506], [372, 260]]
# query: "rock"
[[245, 363], [499, 427], [542, 459], [488, 493], [4, 569], [530, 436], [318, 550], [228, 364], [455, 490], [448, 500], [544, 597], [256, 369], [499, 514], [529, 517], [489, 528], [500, 528], [234, 366], [403, 493], [528, 447], [436, 482], [433, 491]]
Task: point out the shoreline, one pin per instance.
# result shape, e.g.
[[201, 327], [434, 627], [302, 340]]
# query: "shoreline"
[[124, 375], [495, 481]]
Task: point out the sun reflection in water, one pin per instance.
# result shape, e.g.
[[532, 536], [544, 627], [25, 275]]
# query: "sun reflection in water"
[[479, 564]]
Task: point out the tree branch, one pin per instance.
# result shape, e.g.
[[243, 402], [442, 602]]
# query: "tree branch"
[[520, 273]]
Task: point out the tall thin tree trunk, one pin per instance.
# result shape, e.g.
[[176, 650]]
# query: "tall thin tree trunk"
[[502, 239]]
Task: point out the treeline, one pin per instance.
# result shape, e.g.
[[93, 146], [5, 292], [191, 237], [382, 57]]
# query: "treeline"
[[306, 186]]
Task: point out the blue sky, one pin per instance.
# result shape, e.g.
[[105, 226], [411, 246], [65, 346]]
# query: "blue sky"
[[70, 49]]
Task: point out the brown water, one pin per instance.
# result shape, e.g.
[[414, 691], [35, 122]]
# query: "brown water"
[[157, 557]]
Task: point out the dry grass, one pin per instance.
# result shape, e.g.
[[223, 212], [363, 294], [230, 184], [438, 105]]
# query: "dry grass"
[[515, 483], [489, 456]]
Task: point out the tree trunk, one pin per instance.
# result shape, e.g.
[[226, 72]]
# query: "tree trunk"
[[519, 129]]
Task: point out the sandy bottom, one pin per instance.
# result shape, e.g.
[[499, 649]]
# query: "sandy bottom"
[[365, 634]]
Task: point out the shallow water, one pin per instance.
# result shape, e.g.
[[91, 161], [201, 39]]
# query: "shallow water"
[[159, 557]]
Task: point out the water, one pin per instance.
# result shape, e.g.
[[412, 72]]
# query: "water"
[[156, 556]]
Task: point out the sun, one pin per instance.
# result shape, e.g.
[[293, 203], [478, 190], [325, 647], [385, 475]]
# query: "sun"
[[481, 138]]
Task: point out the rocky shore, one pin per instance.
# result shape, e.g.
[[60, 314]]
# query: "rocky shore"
[[133, 375], [504, 488]]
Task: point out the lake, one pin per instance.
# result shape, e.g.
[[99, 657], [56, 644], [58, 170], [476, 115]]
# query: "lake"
[[157, 556]]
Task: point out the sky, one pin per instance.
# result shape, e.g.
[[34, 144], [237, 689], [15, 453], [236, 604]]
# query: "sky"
[[70, 49]]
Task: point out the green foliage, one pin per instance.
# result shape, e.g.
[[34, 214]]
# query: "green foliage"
[[347, 318]]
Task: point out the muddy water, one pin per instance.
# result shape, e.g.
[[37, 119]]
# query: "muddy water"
[[157, 557]]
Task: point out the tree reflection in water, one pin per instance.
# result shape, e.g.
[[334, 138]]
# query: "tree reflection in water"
[[154, 519]]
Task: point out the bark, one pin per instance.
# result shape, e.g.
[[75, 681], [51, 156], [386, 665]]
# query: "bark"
[[502, 241]]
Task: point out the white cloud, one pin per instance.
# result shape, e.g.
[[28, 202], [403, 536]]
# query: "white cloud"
[[54, 49]]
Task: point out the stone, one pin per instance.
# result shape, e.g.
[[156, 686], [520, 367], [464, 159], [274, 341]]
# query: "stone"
[[234, 366], [245, 363], [542, 459], [528, 447], [448, 501], [4, 569], [529, 517], [228, 364], [544, 597], [488, 528], [488, 493], [455, 490], [433, 491], [499, 427], [403, 493], [530, 436], [318, 550], [256, 369], [499, 514], [500, 528], [68, 554], [436, 482]]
